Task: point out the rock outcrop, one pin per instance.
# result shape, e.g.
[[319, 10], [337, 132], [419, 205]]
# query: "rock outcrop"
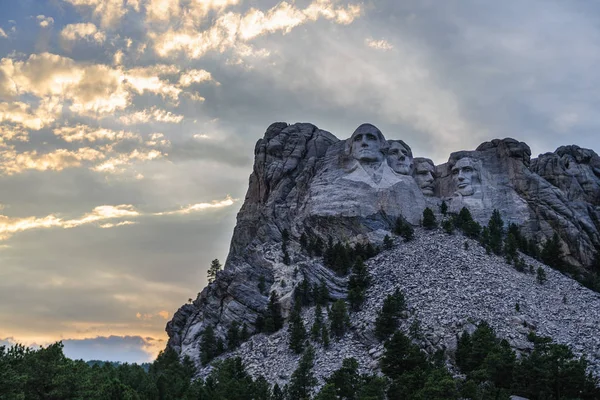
[[306, 181]]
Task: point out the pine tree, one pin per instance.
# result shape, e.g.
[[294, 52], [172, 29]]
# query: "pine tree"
[[346, 380], [511, 247], [296, 330], [215, 266], [429, 221], [448, 226], [541, 276], [404, 229], [317, 327], [322, 294], [325, 336], [303, 379], [208, 345], [552, 252], [273, 319], [339, 318], [262, 285], [463, 352], [495, 231], [277, 393], [244, 335], [401, 356], [388, 243], [233, 335], [386, 322], [357, 284], [444, 208]]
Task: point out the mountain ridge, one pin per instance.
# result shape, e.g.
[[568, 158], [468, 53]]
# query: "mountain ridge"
[[305, 181]]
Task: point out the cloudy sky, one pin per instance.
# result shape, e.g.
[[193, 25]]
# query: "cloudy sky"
[[127, 129]]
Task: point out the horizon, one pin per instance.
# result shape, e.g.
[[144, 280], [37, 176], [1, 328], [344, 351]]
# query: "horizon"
[[127, 130]]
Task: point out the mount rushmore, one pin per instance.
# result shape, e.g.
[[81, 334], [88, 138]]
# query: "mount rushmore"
[[307, 181]]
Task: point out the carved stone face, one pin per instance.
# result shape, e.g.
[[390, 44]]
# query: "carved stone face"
[[464, 176], [366, 144], [424, 171], [400, 158]]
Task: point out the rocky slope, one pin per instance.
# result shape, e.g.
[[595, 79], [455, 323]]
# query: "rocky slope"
[[305, 180], [449, 290]]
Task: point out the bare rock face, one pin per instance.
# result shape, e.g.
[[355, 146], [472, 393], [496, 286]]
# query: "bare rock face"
[[305, 180]]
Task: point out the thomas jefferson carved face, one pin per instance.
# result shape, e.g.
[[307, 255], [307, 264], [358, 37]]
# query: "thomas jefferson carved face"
[[400, 158], [465, 176], [424, 172], [367, 144]]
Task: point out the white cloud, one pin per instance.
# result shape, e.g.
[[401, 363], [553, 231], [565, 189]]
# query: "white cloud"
[[82, 133], [151, 115], [12, 162], [3, 34], [89, 88], [23, 114], [379, 44], [125, 212], [194, 76], [45, 21], [232, 29], [82, 31], [109, 12]]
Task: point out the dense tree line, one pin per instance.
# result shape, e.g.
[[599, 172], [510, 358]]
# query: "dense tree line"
[[491, 371]]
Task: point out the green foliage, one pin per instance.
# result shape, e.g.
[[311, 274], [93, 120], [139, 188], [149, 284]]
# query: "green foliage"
[[317, 327], [209, 345], [357, 284], [273, 320], [552, 254], [493, 371], [302, 293], [541, 276], [277, 393], [233, 335], [444, 208], [303, 379], [340, 321], [339, 257], [495, 230], [414, 330], [321, 293], [285, 239], [388, 243], [404, 229], [215, 266], [429, 221], [262, 285], [491, 368], [401, 356], [386, 322], [464, 221], [296, 329], [413, 375], [448, 226]]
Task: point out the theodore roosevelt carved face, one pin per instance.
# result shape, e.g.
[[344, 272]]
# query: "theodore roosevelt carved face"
[[400, 157], [424, 175], [366, 144], [465, 176]]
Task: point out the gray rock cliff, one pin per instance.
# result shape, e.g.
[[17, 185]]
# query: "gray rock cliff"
[[305, 180]]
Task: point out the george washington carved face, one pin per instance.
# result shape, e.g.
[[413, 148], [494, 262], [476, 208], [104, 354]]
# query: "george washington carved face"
[[366, 144]]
